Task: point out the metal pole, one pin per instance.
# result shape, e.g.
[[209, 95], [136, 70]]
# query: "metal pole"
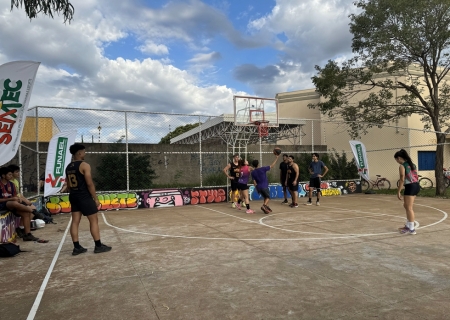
[[312, 135], [260, 152], [37, 154], [21, 170], [126, 149], [200, 149]]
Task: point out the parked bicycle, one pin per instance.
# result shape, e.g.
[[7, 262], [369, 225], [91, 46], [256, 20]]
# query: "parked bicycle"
[[447, 178], [424, 183], [380, 183]]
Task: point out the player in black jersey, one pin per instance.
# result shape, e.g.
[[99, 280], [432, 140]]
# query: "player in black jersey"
[[283, 174], [292, 181], [83, 199], [234, 175]]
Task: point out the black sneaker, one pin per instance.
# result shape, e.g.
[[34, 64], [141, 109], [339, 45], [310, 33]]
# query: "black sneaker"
[[29, 237], [20, 232], [77, 251], [267, 208], [264, 210], [285, 201], [103, 248]]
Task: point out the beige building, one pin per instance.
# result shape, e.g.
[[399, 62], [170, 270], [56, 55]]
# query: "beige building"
[[381, 143], [47, 129]]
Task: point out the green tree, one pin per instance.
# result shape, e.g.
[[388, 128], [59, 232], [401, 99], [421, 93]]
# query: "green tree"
[[178, 130], [340, 168], [112, 171], [402, 38], [47, 7]]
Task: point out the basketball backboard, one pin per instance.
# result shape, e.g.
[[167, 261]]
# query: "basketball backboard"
[[248, 110]]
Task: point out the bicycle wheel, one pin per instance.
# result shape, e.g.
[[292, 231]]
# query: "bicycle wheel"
[[364, 185], [384, 184], [398, 183], [447, 183], [425, 183]]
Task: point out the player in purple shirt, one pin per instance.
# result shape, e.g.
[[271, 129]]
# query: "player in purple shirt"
[[261, 183]]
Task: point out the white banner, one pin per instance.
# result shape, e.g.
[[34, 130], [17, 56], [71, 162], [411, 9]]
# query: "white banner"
[[359, 151], [58, 158], [16, 81]]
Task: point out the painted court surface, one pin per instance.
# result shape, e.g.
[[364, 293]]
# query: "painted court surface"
[[342, 260]]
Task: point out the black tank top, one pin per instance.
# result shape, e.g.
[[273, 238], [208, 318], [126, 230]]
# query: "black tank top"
[[75, 179], [235, 171], [291, 173]]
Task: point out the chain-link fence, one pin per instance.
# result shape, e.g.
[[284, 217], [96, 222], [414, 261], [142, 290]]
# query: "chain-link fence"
[[133, 151]]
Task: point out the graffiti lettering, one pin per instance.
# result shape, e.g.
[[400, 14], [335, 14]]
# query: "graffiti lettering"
[[108, 201], [331, 192], [208, 196], [8, 225]]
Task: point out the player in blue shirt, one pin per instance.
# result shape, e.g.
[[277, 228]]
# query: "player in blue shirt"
[[315, 169]]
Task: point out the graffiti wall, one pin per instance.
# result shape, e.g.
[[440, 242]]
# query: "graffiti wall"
[[8, 225], [328, 188], [108, 201], [161, 198], [178, 197]]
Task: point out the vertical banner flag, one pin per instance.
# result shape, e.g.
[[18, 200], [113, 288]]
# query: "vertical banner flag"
[[359, 151], [58, 158], [16, 81]]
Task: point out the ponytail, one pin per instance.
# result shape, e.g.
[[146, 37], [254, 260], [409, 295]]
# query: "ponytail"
[[403, 154]]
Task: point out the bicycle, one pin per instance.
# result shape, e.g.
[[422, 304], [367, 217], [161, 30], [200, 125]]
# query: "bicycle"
[[447, 178], [380, 183], [424, 183]]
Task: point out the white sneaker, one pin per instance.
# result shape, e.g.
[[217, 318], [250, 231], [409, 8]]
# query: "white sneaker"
[[317, 203], [233, 205]]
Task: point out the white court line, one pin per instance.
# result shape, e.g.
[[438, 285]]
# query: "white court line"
[[347, 236], [38, 299]]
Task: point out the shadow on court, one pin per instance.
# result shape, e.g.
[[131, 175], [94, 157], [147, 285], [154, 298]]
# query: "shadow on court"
[[341, 260]]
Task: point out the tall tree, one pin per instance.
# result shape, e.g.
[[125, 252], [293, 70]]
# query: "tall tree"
[[178, 130], [47, 7], [406, 39]]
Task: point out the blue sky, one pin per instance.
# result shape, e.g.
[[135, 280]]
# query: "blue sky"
[[179, 56]]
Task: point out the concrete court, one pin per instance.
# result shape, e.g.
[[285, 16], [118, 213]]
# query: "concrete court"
[[215, 262]]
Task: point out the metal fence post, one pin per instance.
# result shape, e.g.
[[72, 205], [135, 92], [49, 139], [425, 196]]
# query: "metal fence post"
[[126, 150], [200, 150], [37, 154]]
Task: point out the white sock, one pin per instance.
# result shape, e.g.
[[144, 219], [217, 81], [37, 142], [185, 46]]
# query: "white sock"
[[21, 227], [410, 225]]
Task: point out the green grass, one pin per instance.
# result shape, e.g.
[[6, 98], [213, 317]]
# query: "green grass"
[[430, 193]]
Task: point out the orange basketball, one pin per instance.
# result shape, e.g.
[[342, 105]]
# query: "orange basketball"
[[277, 151]]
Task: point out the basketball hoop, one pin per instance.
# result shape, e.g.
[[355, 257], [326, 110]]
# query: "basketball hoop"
[[263, 127]]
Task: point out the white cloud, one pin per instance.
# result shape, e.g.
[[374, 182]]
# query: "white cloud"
[[205, 58], [152, 48]]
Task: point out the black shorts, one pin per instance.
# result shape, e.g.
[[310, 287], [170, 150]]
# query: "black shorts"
[[234, 185], [283, 181], [291, 186], [85, 204], [411, 189], [265, 193], [242, 186], [314, 183]]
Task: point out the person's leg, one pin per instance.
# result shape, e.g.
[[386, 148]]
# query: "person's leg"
[[95, 229], [23, 211], [76, 218], [285, 192], [408, 204], [295, 197]]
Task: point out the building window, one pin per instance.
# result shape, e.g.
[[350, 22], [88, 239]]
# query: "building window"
[[427, 160]]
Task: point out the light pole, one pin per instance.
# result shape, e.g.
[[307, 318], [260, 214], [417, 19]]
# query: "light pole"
[[99, 129]]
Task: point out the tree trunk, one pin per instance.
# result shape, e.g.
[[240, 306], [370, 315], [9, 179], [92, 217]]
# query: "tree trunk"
[[439, 165]]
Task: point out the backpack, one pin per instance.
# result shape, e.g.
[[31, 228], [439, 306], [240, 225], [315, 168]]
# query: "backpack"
[[9, 250], [46, 216]]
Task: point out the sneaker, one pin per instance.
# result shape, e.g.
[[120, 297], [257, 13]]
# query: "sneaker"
[[268, 209], [20, 232], [295, 205], [237, 205], [249, 211], [77, 251], [102, 248], [29, 237], [317, 203], [264, 210], [308, 203], [285, 201], [233, 205], [406, 230]]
